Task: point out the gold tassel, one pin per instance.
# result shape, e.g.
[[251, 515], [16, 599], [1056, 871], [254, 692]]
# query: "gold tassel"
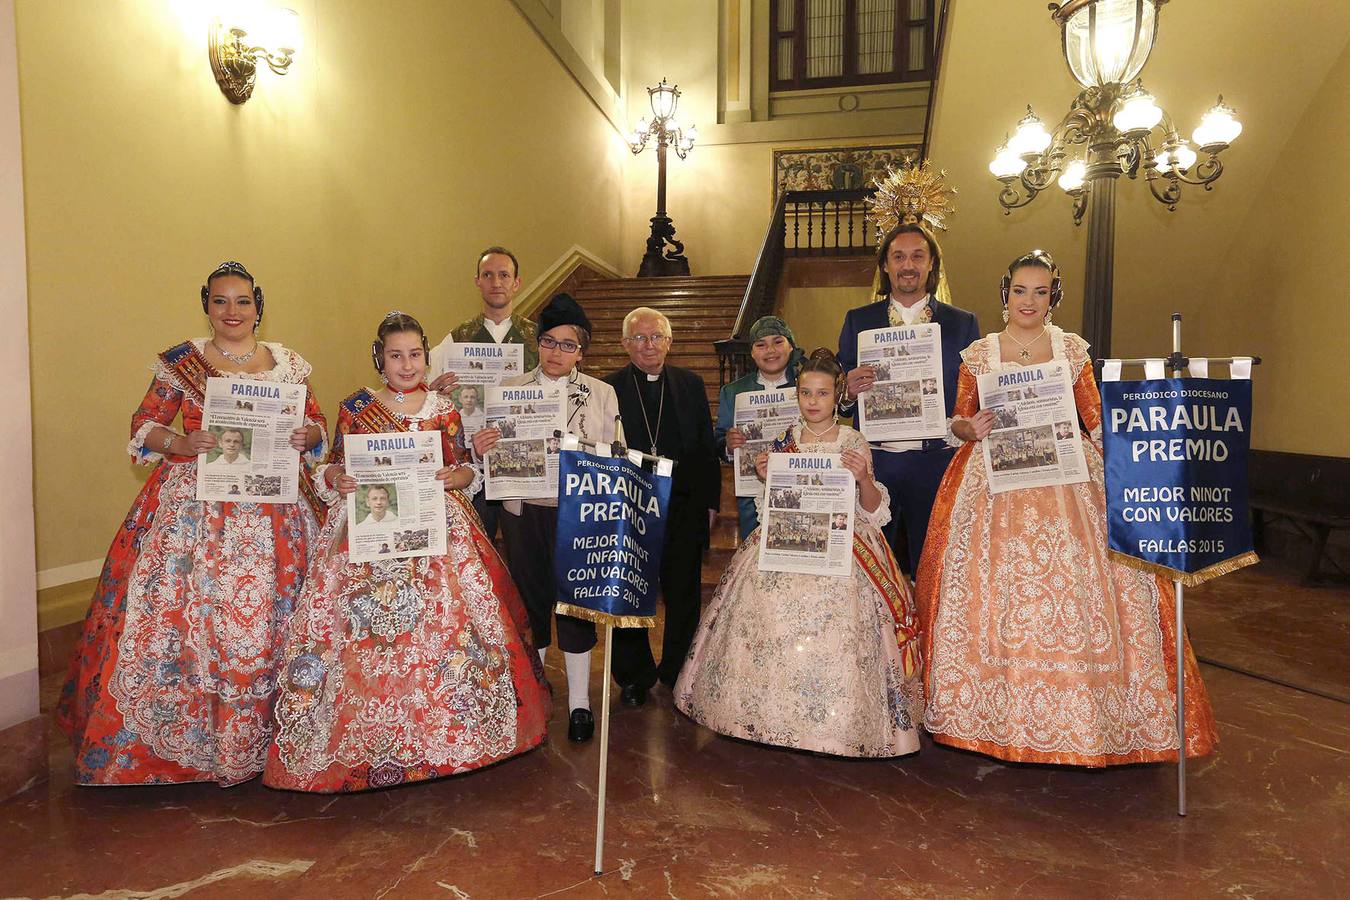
[[604, 618], [1189, 579]]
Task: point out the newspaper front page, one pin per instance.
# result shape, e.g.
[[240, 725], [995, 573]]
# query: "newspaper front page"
[[398, 508], [907, 403], [1035, 441], [524, 463], [253, 460], [806, 522], [761, 416], [479, 366]]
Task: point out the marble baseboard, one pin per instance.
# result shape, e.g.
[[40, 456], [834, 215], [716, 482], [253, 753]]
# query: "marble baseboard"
[[23, 756]]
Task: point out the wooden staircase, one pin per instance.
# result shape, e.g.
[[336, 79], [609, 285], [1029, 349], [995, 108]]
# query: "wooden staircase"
[[701, 310]]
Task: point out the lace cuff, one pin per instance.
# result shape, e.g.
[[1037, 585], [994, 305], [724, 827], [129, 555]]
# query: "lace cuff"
[[142, 454], [950, 437], [1095, 435], [476, 485], [328, 495], [881, 516]]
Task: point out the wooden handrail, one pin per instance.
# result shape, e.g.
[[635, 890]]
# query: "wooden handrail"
[[733, 352], [768, 266]]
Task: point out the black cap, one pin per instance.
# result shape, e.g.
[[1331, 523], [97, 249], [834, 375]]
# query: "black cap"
[[563, 310]]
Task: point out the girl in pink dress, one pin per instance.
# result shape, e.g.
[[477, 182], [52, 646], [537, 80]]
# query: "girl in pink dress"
[[813, 662]]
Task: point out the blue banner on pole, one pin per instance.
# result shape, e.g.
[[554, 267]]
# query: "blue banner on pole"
[[1176, 474], [611, 530]]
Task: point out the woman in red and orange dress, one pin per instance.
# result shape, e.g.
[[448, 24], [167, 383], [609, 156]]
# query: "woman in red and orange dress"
[[1038, 645], [175, 671], [404, 670]]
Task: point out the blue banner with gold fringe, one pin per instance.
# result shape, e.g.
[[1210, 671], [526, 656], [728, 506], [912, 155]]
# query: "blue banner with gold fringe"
[[611, 530], [1176, 474]]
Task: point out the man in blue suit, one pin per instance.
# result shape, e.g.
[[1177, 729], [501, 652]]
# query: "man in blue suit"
[[910, 263]]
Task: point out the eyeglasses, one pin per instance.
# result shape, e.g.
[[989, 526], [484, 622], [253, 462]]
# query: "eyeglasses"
[[642, 340], [549, 343]]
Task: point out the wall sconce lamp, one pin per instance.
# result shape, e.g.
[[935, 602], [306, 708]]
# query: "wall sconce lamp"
[[246, 36]]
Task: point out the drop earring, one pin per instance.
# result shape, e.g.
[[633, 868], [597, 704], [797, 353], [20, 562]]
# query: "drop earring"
[[1005, 315], [1049, 317]]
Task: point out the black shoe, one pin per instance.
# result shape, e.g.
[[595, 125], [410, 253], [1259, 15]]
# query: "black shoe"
[[632, 695], [581, 727]]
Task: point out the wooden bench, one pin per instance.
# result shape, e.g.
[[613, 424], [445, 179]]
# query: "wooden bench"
[[1311, 492]]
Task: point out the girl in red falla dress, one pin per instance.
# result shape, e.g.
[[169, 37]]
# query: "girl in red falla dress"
[[404, 670], [175, 672]]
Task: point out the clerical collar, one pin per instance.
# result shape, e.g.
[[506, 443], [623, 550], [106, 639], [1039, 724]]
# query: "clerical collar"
[[650, 376], [498, 330]]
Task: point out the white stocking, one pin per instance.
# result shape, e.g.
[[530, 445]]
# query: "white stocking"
[[578, 680]]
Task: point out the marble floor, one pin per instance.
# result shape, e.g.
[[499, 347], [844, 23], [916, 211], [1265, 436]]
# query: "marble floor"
[[691, 814]]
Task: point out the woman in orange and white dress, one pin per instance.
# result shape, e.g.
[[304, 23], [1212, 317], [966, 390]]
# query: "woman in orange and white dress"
[[1038, 645]]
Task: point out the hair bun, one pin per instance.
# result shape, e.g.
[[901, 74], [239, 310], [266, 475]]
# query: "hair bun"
[[823, 353]]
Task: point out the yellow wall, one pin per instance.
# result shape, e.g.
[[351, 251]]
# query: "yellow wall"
[[1284, 281], [409, 134], [817, 313]]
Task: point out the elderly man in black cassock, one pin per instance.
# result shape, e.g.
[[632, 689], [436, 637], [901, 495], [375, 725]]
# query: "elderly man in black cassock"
[[664, 411]]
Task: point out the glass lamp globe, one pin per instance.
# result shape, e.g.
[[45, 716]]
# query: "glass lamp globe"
[[1007, 164], [1107, 41], [1072, 179], [1179, 157], [1138, 114], [664, 98], [1219, 127], [1031, 137], [286, 32]]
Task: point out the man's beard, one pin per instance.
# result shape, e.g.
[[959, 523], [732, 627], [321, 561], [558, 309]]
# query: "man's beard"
[[919, 287]]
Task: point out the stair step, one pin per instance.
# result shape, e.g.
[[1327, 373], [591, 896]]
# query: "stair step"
[[702, 309], [661, 284], [616, 311]]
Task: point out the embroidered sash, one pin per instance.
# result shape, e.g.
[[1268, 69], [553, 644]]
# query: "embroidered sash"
[[192, 369], [370, 416], [884, 573]]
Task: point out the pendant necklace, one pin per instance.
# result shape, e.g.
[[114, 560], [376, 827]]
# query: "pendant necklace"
[[1026, 347], [402, 396], [238, 360], [660, 411], [817, 434]]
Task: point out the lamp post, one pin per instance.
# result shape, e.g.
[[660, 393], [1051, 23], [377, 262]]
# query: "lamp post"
[[1106, 43], [666, 132]]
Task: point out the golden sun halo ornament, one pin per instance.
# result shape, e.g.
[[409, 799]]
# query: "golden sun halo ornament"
[[914, 193]]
